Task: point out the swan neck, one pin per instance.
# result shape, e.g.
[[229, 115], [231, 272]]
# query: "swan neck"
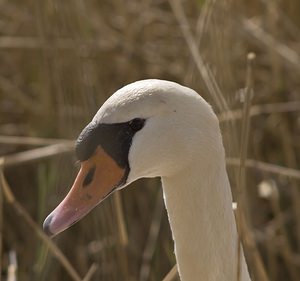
[[199, 205]]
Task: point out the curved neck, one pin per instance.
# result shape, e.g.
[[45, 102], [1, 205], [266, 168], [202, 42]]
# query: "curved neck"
[[199, 206]]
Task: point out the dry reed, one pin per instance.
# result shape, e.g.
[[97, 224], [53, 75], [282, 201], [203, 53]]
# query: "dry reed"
[[61, 60]]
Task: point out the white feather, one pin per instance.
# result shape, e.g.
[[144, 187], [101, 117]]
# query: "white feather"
[[181, 143]]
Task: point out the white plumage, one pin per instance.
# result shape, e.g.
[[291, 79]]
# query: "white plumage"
[[181, 142]]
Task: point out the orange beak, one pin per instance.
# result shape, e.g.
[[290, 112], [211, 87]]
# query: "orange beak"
[[98, 177]]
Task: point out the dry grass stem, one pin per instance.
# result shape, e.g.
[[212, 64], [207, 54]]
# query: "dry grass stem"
[[152, 239], [255, 110], [172, 275], [248, 96], [286, 53], [122, 235], [266, 167], [250, 245], [198, 60], [202, 23], [17, 140], [37, 154], [91, 272], [242, 211], [37, 230], [62, 44]]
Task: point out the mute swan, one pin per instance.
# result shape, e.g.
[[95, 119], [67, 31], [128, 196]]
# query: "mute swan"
[[155, 128]]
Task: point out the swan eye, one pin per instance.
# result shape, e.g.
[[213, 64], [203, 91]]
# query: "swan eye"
[[136, 124]]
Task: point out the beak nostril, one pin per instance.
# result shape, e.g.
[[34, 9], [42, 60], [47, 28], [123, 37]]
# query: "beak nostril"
[[89, 177]]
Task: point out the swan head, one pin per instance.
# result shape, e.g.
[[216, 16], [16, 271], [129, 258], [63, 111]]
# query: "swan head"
[[150, 128]]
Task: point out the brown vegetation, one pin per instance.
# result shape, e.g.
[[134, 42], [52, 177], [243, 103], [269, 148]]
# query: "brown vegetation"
[[61, 59]]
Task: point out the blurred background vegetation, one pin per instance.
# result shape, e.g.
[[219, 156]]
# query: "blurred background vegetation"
[[60, 60]]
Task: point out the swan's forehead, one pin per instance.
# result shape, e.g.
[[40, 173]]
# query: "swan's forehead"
[[132, 102]]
